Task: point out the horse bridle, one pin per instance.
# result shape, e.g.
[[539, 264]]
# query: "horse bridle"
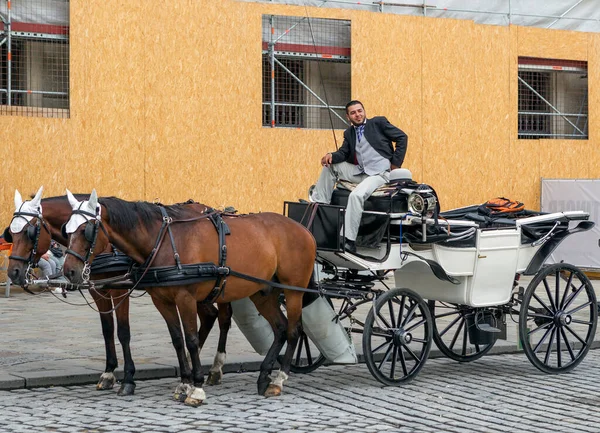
[[91, 235], [33, 234]]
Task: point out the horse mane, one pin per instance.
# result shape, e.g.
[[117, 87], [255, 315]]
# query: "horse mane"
[[80, 197], [128, 215]]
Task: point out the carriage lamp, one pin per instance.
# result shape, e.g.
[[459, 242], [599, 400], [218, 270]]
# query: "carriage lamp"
[[422, 202]]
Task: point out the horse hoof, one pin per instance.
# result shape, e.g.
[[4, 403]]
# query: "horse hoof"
[[107, 381], [214, 378], [192, 402], [263, 385], [126, 389], [273, 391], [196, 398]]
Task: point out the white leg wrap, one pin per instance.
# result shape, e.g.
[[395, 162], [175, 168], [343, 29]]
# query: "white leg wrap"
[[279, 379], [255, 327], [108, 376], [198, 394], [328, 335], [219, 362]]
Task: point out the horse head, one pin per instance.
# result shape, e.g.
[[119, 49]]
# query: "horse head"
[[30, 236], [87, 237]]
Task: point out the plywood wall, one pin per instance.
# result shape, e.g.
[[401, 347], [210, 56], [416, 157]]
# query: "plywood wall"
[[166, 104]]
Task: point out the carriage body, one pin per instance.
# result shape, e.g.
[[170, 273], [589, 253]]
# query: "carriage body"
[[467, 281]]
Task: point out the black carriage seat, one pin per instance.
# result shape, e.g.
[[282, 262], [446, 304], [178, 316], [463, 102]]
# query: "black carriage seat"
[[530, 232], [383, 199]]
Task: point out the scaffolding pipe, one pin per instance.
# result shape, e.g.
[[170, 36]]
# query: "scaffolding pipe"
[[552, 114], [539, 134], [550, 105], [295, 25], [288, 104], [566, 12], [39, 92], [272, 62], [9, 55], [309, 89]]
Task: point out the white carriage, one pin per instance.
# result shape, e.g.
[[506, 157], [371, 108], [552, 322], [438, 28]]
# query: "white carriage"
[[457, 283]]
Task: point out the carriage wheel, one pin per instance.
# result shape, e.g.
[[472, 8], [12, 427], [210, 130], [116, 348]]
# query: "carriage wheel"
[[397, 336], [307, 357], [557, 319], [450, 332]]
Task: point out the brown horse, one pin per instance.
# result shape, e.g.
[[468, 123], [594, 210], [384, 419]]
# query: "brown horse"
[[267, 246], [34, 223]]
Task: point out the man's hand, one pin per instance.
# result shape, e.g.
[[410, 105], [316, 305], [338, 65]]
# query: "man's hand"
[[394, 167], [326, 160]]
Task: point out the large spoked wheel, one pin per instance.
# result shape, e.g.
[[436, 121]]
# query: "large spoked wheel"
[[451, 331], [557, 320], [307, 357], [397, 336]]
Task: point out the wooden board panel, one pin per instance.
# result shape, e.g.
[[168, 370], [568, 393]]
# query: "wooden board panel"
[[168, 106], [449, 109], [525, 172], [552, 44], [386, 76], [592, 152]]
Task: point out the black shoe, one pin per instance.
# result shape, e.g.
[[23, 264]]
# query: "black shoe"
[[350, 246]]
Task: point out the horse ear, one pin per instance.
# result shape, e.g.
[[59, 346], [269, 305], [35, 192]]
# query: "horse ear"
[[93, 201], [18, 199], [35, 202], [72, 200]]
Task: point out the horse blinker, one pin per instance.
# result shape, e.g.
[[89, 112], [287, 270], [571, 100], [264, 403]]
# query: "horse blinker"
[[7, 235], [90, 231]]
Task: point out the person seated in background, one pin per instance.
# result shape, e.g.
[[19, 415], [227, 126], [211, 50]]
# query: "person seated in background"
[[56, 255], [366, 157], [48, 269]]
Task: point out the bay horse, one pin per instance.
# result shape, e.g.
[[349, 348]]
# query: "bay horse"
[[35, 223], [265, 247]]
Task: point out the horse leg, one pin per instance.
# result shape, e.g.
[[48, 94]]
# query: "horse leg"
[[187, 307], [207, 313], [168, 311], [104, 304], [121, 299], [268, 307], [215, 374], [293, 306]]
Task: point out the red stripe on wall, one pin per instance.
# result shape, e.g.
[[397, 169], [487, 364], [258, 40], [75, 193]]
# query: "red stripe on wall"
[[311, 49]]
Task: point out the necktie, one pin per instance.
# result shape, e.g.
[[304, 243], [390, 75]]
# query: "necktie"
[[359, 132]]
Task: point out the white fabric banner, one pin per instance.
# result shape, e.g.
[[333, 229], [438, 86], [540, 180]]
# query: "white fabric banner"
[[582, 15], [581, 249]]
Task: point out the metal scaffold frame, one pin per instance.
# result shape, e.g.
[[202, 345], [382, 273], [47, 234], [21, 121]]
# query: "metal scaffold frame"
[[273, 54], [6, 37]]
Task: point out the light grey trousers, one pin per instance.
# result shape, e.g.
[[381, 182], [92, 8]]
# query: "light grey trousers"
[[356, 201]]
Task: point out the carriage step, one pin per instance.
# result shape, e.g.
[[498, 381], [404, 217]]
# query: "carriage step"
[[486, 327]]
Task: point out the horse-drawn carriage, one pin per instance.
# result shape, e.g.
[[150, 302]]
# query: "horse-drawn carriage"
[[457, 276]]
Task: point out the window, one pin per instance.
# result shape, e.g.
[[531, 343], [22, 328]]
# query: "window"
[[553, 99], [34, 58], [306, 72]]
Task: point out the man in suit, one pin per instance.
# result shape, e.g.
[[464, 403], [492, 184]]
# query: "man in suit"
[[366, 158]]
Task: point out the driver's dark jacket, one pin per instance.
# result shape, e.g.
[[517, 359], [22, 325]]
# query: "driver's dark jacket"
[[380, 134]]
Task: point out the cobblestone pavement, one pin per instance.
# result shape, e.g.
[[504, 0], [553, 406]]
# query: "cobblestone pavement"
[[501, 393]]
